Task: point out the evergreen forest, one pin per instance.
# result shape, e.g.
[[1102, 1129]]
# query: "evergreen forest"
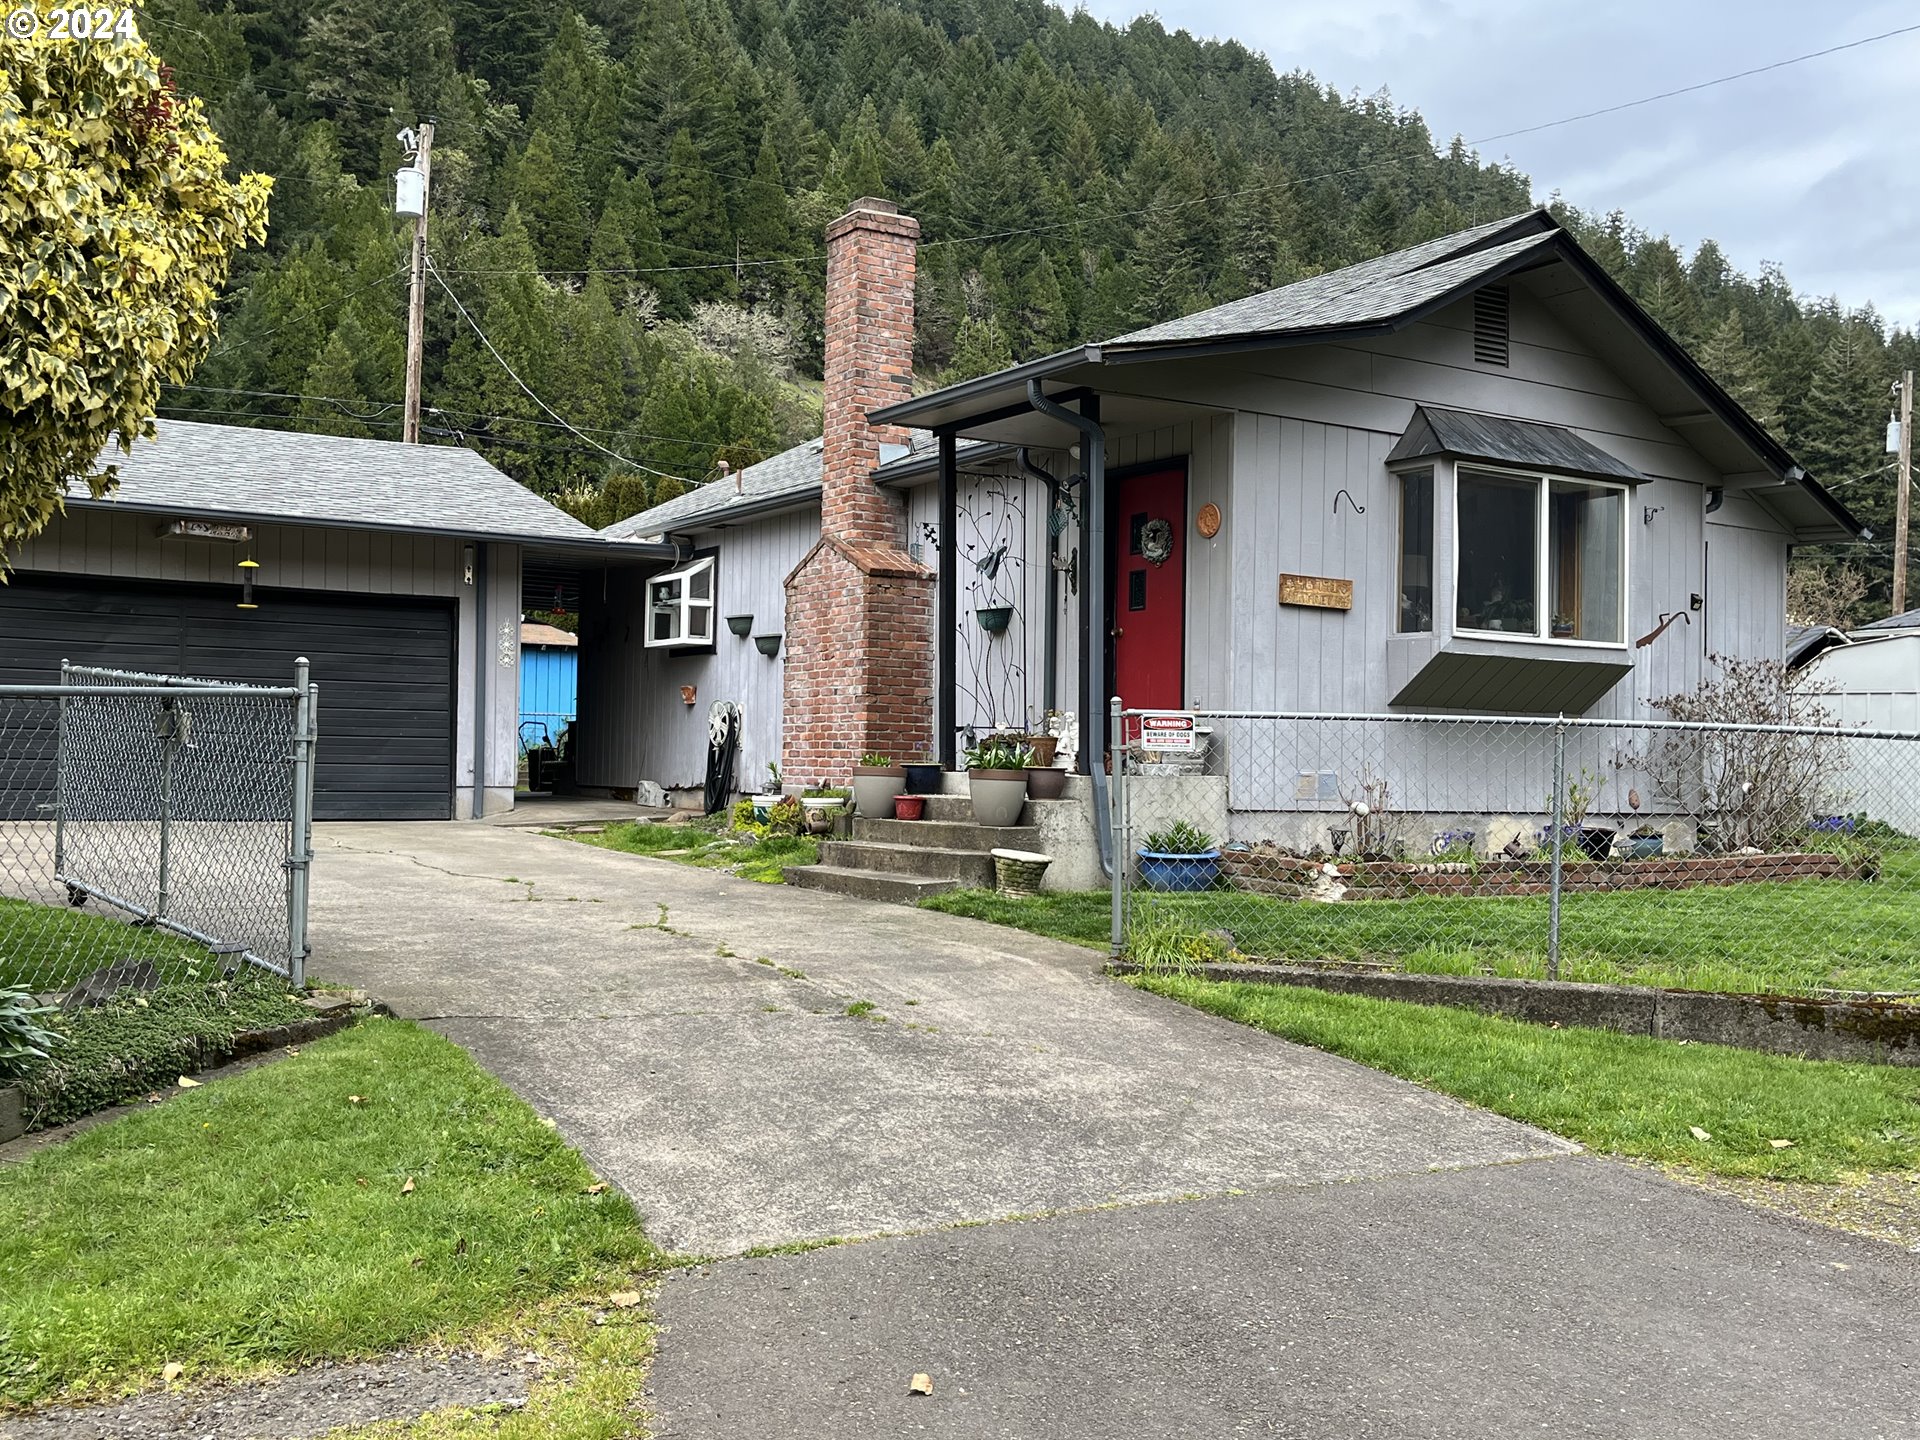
[[629, 199]]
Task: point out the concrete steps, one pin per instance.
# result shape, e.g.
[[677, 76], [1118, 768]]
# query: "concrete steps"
[[868, 884], [967, 866], [907, 860]]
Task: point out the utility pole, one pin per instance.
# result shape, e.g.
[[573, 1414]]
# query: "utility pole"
[[1904, 494], [417, 292]]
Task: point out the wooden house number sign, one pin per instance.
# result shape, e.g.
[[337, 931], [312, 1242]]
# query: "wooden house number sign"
[[1318, 591]]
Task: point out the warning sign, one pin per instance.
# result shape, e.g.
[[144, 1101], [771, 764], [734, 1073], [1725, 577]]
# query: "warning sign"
[[1167, 730]]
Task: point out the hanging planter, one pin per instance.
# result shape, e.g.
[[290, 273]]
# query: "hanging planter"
[[740, 624], [994, 618], [767, 645]]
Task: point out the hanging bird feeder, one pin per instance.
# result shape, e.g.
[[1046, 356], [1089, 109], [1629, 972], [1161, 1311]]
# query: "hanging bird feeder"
[[246, 568]]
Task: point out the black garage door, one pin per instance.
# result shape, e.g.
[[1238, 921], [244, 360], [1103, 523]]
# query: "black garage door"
[[384, 666]]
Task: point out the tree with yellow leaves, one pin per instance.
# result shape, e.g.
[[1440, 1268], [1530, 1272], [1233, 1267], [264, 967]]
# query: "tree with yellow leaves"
[[117, 227]]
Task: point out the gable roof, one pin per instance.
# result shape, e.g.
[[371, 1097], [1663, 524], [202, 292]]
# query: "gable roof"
[[789, 478], [1370, 293], [1469, 436], [1910, 620], [239, 472], [780, 482], [1374, 298]]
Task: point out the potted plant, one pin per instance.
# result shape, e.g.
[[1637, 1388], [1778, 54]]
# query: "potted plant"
[[909, 807], [1179, 858], [24, 1043], [1594, 840], [876, 780], [1644, 843], [923, 777], [997, 782], [822, 805], [1562, 626], [1045, 780]]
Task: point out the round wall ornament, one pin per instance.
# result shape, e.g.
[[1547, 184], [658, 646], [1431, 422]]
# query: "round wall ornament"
[[1156, 541], [1207, 522]]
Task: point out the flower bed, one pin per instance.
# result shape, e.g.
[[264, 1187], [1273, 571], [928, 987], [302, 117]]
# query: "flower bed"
[[1268, 870]]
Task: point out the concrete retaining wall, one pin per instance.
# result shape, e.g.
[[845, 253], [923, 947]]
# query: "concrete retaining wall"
[[1879, 1031]]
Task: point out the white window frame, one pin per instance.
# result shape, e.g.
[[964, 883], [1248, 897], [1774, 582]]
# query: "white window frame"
[[1543, 556], [685, 607]]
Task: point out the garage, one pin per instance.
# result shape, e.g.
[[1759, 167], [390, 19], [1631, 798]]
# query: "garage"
[[385, 666], [396, 569]]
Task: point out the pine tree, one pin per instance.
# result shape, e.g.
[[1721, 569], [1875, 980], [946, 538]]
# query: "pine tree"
[[336, 398], [1726, 356], [693, 222], [548, 198], [981, 349]]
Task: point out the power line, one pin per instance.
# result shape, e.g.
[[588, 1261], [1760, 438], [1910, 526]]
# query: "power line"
[[434, 270], [1702, 85]]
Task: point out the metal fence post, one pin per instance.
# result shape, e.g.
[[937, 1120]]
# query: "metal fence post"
[[1116, 827], [1559, 840], [60, 776], [300, 839], [172, 723]]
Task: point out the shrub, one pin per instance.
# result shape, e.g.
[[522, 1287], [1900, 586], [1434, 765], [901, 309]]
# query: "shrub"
[[785, 818], [1756, 788]]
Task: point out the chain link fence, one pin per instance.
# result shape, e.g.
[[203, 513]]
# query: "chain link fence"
[[153, 829], [1749, 857]]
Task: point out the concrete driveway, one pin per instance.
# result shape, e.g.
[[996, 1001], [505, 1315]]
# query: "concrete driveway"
[[1240, 1236]]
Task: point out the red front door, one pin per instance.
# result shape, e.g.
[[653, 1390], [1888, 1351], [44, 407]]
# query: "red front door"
[[1150, 590]]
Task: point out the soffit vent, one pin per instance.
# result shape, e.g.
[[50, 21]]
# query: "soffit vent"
[[1490, 325]]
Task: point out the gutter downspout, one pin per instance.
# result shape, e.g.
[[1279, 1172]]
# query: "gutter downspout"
[[480, 628], [1093, 605], [1050, 688]]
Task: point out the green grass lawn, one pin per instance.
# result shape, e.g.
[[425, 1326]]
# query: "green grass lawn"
[[707, 844], [374, 1190], [1794, 937], [49, 947], [1619, 1094]]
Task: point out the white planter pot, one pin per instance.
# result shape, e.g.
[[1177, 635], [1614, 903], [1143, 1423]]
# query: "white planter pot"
[[998, 796], [873, 791]]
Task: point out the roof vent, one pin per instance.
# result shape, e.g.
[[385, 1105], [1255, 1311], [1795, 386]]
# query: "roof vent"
[[1490, 325]]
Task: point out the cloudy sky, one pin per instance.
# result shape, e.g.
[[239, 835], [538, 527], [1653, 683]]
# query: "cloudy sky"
[[1815, 166]]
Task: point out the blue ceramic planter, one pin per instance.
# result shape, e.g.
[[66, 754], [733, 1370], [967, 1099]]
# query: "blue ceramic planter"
[[1645, 847], [1179, 873]]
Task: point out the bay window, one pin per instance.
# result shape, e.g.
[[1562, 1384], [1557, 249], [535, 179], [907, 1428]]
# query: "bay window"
[[680, 606], [1416, 552], [1539, 557]]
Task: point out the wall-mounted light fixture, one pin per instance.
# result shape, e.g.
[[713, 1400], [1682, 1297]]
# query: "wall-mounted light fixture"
[[246, 568]]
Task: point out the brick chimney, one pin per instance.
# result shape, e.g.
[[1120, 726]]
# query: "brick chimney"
[[859, 664]]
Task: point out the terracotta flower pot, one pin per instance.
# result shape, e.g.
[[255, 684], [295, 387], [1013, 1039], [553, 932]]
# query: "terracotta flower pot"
[[1046, 782], [909, 807]]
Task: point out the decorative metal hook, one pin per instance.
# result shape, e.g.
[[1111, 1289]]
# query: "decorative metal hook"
[[1358, 508], [1667, 618]]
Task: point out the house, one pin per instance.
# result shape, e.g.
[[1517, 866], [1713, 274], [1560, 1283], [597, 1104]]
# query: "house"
[[1472, 476], [398, 570], [1869, 679]]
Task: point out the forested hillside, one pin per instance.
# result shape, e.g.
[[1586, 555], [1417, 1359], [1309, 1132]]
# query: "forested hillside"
[[629, 199]]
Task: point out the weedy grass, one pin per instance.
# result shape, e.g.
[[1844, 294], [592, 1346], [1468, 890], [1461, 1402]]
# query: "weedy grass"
[[703, 843], [375, 1190], [1794, 937], [1619, 1094]]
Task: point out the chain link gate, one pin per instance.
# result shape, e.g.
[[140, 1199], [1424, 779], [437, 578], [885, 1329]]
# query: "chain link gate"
[[154, 818], [1763, 857]]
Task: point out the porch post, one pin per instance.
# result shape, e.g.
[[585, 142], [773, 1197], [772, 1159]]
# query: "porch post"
[[946, 610], [1093, 600]]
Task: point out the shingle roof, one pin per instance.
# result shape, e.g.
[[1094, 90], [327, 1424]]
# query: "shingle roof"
[[1805, 642], [1908, 621], [1472, 436], [1372, 291], [792, 474], [246, 473]]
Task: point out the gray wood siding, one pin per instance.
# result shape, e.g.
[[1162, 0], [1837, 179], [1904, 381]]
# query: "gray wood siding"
[[633, 723], [91, 540]]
